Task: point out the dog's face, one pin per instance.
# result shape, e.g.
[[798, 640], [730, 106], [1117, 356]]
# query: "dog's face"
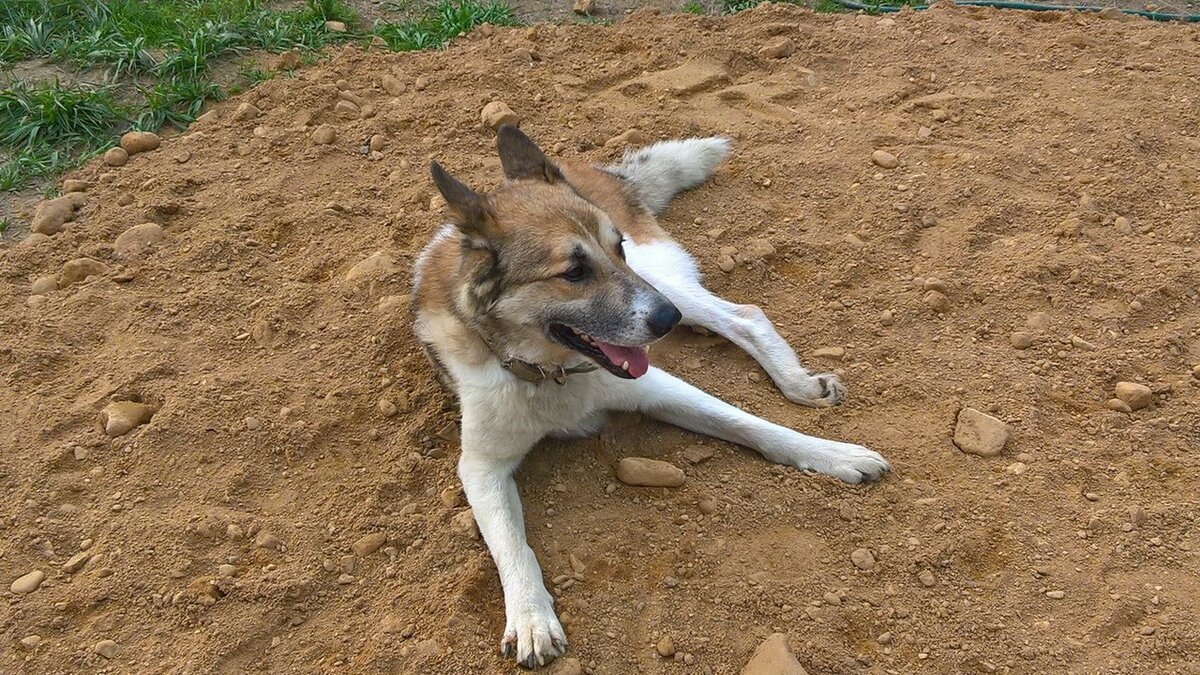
[[541, 260]]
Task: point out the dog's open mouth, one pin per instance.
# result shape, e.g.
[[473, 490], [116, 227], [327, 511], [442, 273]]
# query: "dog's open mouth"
[[622, 361]]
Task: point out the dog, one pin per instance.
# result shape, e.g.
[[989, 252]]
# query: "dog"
[[536, 303]]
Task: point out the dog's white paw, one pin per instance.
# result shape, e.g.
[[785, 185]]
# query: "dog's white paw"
[[533, 634], [854, 463], [822, 390]]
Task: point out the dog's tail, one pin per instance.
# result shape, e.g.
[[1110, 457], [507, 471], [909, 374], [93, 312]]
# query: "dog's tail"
[[663, 170]]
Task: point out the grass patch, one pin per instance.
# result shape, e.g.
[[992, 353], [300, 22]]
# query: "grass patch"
[[157, 57], [694, 7]]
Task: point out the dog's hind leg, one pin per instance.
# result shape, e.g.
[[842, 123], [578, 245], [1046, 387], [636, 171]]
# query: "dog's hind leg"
[[672, 400], [669, 268]]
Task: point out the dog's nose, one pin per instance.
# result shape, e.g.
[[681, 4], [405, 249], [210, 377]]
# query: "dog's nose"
[[663, 319]]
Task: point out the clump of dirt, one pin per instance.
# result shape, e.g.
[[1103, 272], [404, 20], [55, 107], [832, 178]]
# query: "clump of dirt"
[[277, 491]]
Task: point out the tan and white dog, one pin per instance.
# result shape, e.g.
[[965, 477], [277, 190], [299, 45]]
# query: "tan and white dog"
[[536, 304]]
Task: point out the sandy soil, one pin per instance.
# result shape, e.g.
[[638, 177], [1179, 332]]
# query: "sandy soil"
[[1047, 182]]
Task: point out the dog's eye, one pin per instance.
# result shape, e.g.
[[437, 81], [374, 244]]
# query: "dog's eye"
[[621, 248], [577, 272]]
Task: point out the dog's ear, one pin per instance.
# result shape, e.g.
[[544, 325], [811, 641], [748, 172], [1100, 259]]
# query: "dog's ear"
[[522, 158], [468, 209]]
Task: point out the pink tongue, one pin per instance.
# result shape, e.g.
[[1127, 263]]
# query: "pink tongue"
[[639, 361]]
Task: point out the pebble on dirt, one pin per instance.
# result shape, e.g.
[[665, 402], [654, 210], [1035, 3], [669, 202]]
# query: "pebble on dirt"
[[44, 284], [368, 544], [665, 647], [134, 142], [392, 85], [643, 472], [496, 114], [52, 214], [31, 642], [885, 159], [246, 112], [1136, 396], [75, 271], [773, 657], [121, 417], [835, 353], [325, 134], [630, 137], [75, 185], [863, 559], [137, 239], [937, 301], [778, 48], [106, 648], [1021, 340], [28, 583], [978, 433], [116, 157]]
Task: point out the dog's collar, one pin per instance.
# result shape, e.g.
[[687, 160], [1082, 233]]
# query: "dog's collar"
[[532, 372]]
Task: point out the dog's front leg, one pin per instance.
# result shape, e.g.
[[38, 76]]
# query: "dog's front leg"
[[672, 400], [531, 629]]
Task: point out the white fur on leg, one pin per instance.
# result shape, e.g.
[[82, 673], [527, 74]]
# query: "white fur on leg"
[[663, 170], [669, 268], [672, 400], [532, 631]]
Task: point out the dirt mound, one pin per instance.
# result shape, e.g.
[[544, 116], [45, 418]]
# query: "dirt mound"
[[1026, 240]]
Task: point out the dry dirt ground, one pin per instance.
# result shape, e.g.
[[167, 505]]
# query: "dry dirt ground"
[[1048, 179]]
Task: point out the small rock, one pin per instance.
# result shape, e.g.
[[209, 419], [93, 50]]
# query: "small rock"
[[325, 134], [28, 583], [116, 157], [758, 249], [1137, 396], [335, 26], [345, 579], [1118, 405], [266, 540], [935, 284], [378, 263], [1038, 321], [106, 648], [464, 523], [924, 132], [927, 579], [377, 143], [246, 112], [725, 261], [387, 408], [698, 453], [863, 559], [1021, 340], [252, 424], [939, 115], [630, 137], [496, 114], [76, 562], [347, 109], [31, 642], [289, 60], [1123, 225], [137, 239], [778, 48], [980, 434], [1079, 343], [884, 638], [421, 83], [44, 284], [885, 159], [121, 417], [835, 353], [568, 667], [368, 544], [665, 647], [73, 185], [75, 271], [886, 317], [1196, 371], [50, 215], [708, 505], [226, 570], [134, 142], [1055, 595], [393, 85], [773, 658], [937, 301], [644, 472], [1137, 516], [583, 7]]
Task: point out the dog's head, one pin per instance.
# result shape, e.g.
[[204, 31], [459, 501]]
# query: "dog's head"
[[540, 263]]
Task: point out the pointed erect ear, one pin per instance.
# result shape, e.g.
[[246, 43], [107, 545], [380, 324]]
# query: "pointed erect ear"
[[522, 158], [468, 209]]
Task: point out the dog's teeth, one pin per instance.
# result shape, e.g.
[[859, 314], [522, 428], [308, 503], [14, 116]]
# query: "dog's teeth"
[[625, 366]]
